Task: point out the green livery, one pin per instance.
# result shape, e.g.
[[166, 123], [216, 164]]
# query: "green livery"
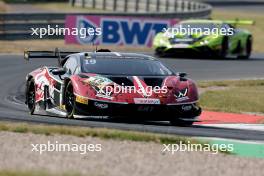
[[205, 37]]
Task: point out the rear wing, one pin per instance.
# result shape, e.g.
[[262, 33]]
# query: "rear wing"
[[48, 54], [240, 22]]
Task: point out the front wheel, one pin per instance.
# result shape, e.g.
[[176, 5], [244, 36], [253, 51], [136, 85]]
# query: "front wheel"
[[248, 49], [30, 97], [70, 104]]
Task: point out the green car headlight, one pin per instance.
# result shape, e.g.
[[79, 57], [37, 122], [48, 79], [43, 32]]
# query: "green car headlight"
[[205, 42]]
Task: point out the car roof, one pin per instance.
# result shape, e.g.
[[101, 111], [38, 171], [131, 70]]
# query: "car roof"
[[109, 55], [116, 55]]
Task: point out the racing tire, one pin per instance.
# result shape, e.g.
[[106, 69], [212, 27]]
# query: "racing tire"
[[239, 48], [224, 48], [181, 123], [159, 52], [31, 96], [248, 49], [70, 104]]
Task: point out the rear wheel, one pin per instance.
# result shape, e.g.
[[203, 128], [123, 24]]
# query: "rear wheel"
[[69, 98], [31, 101], [159, 52], [224, 48]]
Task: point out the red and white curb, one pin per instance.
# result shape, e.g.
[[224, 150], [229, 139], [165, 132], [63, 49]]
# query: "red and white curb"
[[210, 117], [240, 126], [231, 121]]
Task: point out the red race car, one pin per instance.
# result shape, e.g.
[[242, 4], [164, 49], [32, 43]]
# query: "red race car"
[[104, 83]]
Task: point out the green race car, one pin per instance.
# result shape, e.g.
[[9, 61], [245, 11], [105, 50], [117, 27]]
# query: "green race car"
[[205, 37]]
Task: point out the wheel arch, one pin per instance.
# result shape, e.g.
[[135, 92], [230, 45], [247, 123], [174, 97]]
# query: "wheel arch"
[[65, 83], [28, 79]]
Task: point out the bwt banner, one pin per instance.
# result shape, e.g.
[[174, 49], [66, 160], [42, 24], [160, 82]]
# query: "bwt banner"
[[105, 30]]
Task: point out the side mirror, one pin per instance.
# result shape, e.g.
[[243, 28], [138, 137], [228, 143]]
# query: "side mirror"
[[26, 55], [181, 74], [58, 71]]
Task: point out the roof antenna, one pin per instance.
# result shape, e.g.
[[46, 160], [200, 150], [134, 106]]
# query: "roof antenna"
[[95, 47], [58, 55]]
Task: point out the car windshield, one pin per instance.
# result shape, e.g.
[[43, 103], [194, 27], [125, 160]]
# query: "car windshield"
[[124, 66]]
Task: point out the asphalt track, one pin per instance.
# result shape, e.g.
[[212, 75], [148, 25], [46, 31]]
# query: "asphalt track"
[[13, 70]]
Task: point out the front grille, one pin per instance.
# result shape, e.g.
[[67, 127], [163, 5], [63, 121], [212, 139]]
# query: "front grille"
[[182, 41], [153, 81], [124, 81]]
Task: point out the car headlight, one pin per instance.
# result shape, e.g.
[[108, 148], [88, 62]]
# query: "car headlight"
[[205, 42], [189, 107], [162, 42]]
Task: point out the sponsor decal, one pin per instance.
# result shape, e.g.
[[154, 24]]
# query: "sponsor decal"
[[43, 79], [183, 39], [146, 101], [62, 107], [83, 23], [101, 105], [145, 108], [186, 107], [103, 94], [89, 61], [116, 30], [98, 81], [82, 100], [99, 84], [182, 95], [181, 45], [141, 87]]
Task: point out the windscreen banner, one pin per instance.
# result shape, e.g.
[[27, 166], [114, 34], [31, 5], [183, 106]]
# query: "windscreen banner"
[[113, 30]]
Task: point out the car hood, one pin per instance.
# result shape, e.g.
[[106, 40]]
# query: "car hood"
[[136, 89]]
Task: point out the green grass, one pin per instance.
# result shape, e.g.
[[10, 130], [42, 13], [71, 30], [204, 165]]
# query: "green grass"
[[257, 29], [93, 132], [2, 7], [239, 97], [231, 83], [33, 173], [101, 133]]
